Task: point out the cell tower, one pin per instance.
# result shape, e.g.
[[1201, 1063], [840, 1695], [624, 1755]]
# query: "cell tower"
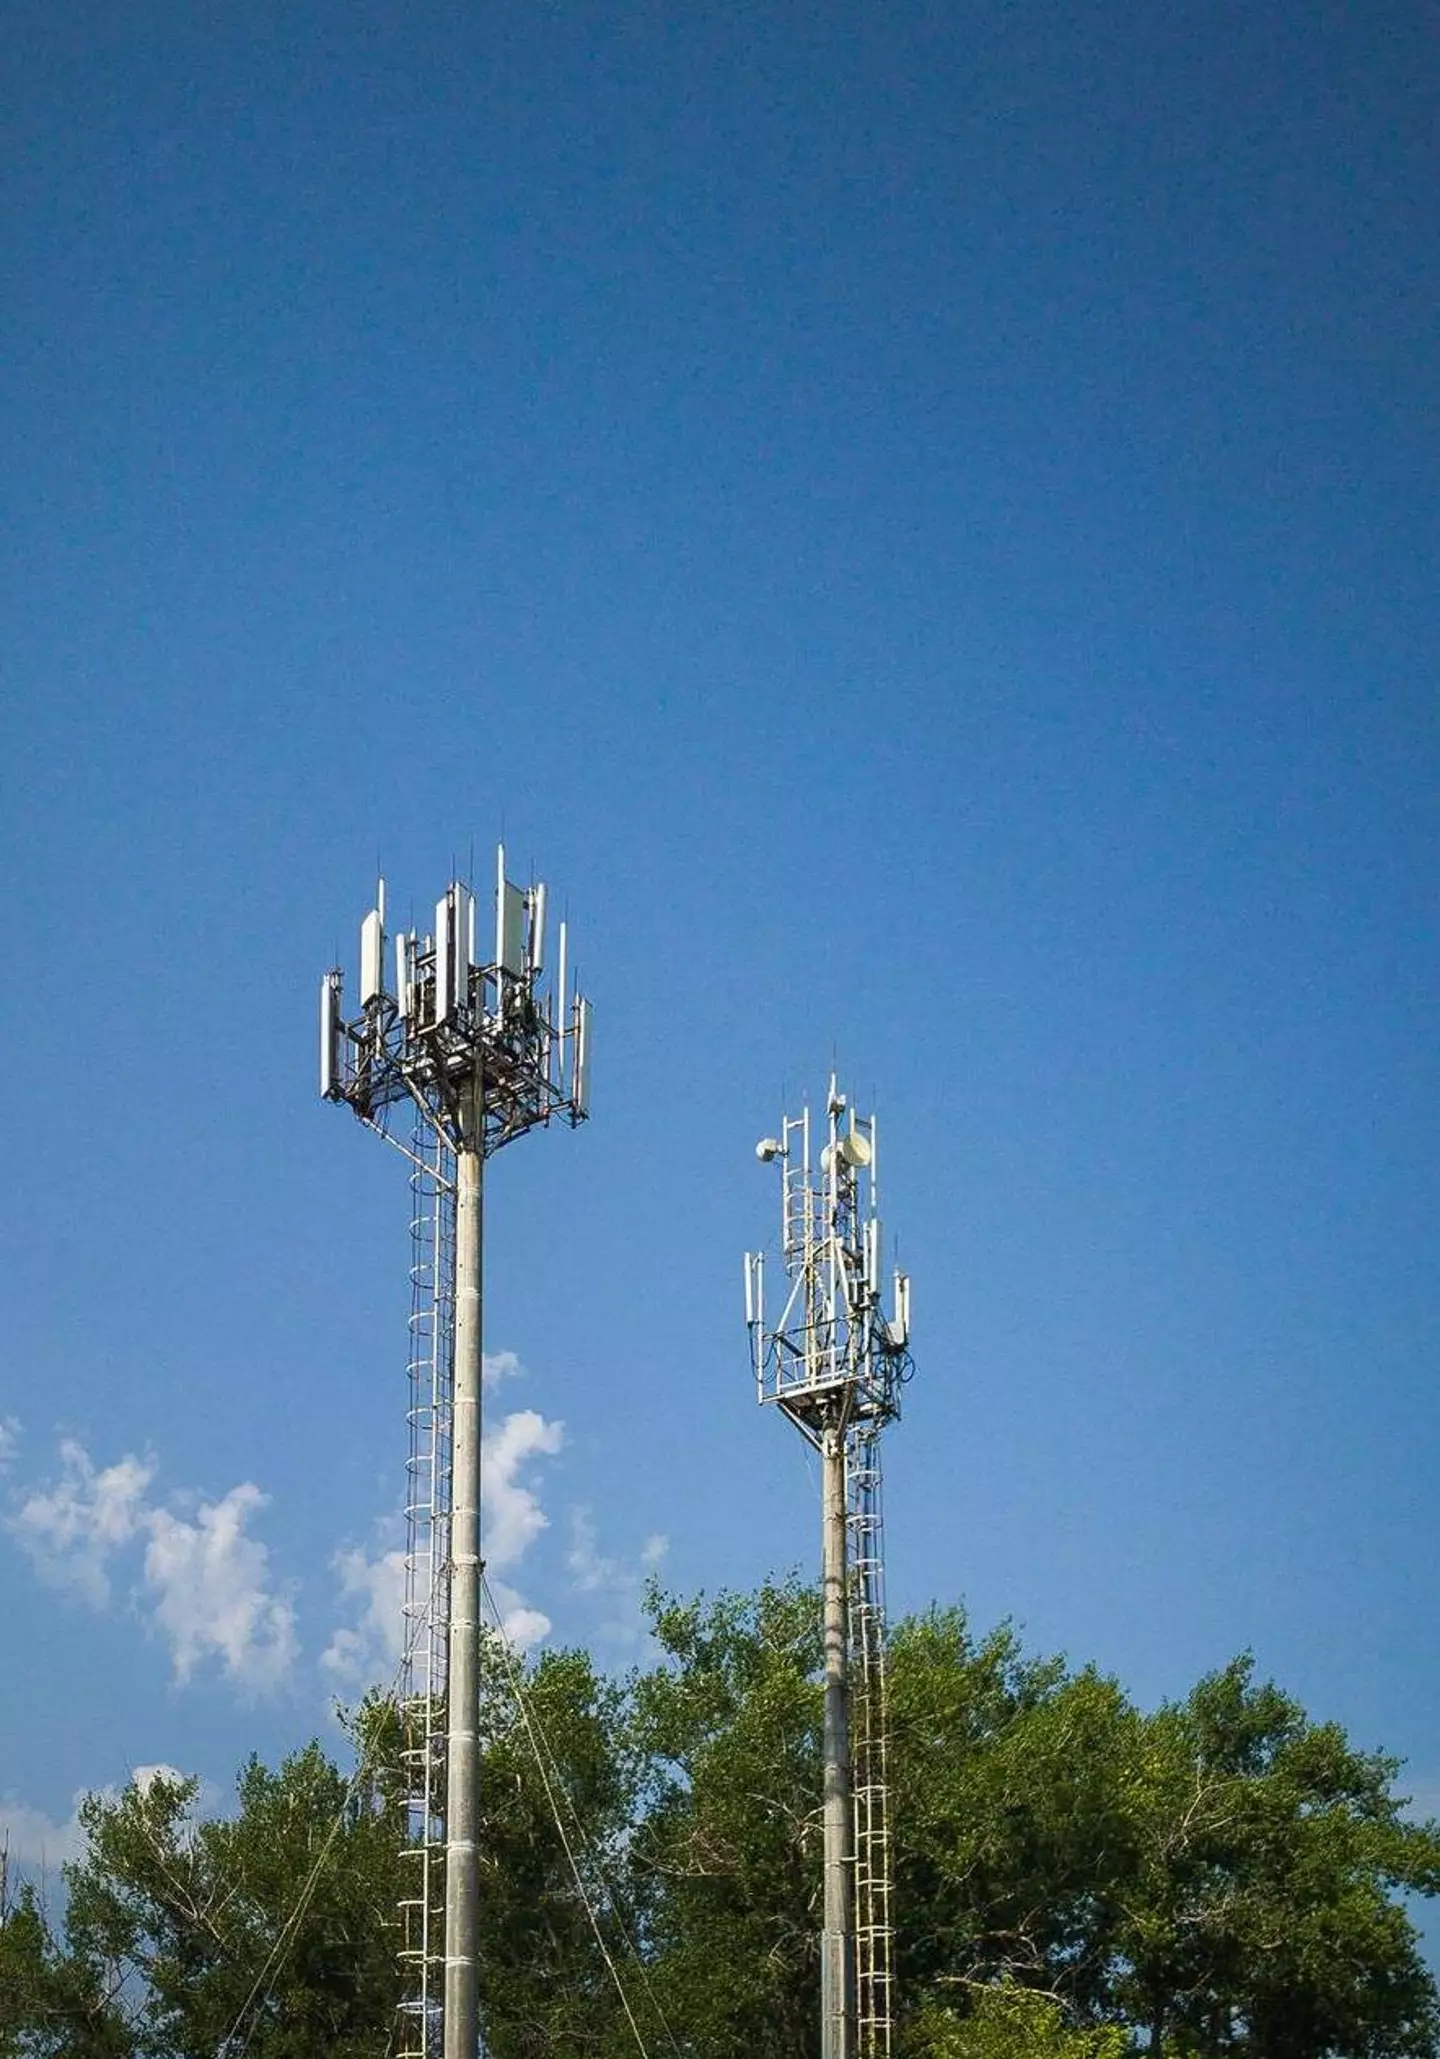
[[477, 1049], [834, 1363]]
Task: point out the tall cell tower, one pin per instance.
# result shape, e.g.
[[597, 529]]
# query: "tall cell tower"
[[476, 1048], [834, 1363]]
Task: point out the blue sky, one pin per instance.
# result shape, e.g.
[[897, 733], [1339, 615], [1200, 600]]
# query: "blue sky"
[[922, 525]]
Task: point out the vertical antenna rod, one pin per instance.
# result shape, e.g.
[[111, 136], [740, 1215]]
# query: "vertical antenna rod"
[[834, 1363], [480, 1052]]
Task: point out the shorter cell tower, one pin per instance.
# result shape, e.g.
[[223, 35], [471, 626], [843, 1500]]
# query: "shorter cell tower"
[[834, 1363], [480, 1048]]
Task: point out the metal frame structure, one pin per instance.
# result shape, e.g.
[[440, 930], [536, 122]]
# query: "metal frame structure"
[[834, 1363], [481, 1049]]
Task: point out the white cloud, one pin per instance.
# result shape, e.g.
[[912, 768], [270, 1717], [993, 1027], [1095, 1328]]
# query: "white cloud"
[[510, 1509], [521, 1625], [617, 1584], [72, 1529], [211, 1587], [367, 1646], [496, 1366], [35, 1841], [9, 1441], [38, 1844], [206, 1582], [145, 1777]]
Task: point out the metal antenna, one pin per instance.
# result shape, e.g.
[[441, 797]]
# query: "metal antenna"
[[480, 1049], [834, 1363]]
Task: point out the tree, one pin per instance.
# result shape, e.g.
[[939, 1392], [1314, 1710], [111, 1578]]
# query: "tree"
[[1012, 1827], [49, 2007], [1260, 1910], [726, 1853], [559, 1782], [1075, 1878], [1008, 2022], [1220, 1877], [272, 1927], [25, 1956], [273, 1931]]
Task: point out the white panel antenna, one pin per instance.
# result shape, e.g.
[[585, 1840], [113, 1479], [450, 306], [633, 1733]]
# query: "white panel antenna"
[[510, 930], [444, 957], [580, 1091], [372, 958], [560, 1011], [329, 1036], [754, 1288], [463, 903], [535, 943]]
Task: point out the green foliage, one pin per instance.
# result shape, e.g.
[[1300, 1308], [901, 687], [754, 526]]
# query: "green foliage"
[[544, 1987], [1076, 1879], [25, 1950], [1007, 2022], [1261, 1913], [1221, 1875], [183, 1915], [727, 1852], [1011, 1814], [49, 2007]]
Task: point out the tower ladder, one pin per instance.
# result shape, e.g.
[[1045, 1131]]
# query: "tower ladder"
[[869, 1715], [426, 1605]]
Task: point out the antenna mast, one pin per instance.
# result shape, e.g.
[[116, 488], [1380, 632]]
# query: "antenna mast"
[[834, 1364], [479, 1048]]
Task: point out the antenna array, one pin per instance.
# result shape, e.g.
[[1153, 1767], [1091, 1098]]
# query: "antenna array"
[[450, 1013], [834, 1362]]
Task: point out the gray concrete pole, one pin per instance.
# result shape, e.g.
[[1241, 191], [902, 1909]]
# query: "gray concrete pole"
[[836, 1943], [462, 1762]]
